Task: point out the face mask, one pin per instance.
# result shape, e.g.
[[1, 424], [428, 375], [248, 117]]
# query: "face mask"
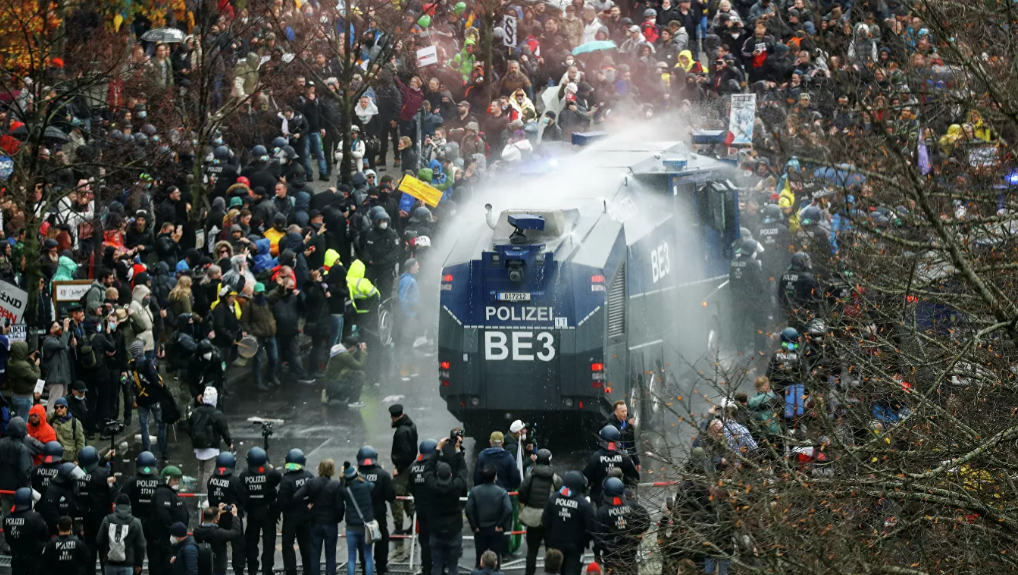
[[383, 225], [175, 487], [173, 540], [113, 325], [79, 397], [207, 356]]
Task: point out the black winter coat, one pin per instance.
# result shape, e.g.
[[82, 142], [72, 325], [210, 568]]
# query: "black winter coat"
[[404, 443], [229, 529], [447, 519], [326, 496], [358, 492], [383, 491], [15, 461]]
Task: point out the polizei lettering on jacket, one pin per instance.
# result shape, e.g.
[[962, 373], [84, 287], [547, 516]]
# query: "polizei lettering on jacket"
[[563, 502], [524, 313], [417, 470], [146, 489]]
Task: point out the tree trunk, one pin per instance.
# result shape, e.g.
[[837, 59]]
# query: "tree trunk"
[[346, 103], [30, 281], [489, 31]]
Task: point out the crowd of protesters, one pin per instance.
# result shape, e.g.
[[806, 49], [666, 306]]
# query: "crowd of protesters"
[[182, 283]]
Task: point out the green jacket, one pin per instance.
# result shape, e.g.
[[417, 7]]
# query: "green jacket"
[[762, 407], [258, 319], [347, 362], [464, 61], [70, 434], [22, 373]]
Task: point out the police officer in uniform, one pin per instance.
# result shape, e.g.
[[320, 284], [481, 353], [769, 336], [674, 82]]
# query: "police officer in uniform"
[[799, 291], [383, 491], [568, 520], [618, 524], [26, 533], [746, 281], [53, 456], [607, 456], [225, 487], [418, 488], [296, 518], [61, 497], [260, 483], [783, 369], [167, 509], [65, 553], [95, 496], [141, 488], [776, 240], [380, 252]]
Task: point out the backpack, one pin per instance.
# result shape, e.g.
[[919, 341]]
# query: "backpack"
[[200, 430], [118, 543], [89, 359], [204, 558], [795, 400]]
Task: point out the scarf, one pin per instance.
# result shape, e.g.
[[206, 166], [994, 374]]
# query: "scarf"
[[365, 114]]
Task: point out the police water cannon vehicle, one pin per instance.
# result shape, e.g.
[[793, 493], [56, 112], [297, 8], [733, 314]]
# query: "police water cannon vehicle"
[[604, 293]]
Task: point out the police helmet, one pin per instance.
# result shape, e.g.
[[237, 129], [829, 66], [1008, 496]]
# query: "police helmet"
[[259, 153], [801, 262], [23, 499], [146, 463], [789, 337], [139, 138], [116, 135], [428, 446], [53, 452], [421, 214], [379, 216], [225, 463], [65, 473], [613, 487], [171, 472], [278, 143], [288, 152], [650, 13], [772, 213], [610, 433], [810, 217], [88, 457], [163, 150], [575, 481], [367, 455], [256, 457], [148, 130], [544, 456], [746, 249], [817, 328], [745, 234], [295, 457], [221, 153]]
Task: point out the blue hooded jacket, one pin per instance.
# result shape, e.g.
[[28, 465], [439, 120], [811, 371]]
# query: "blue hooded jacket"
[[505, 466], [263, 259], [409, 295]]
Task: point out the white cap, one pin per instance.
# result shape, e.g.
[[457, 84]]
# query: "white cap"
[[517, 426]]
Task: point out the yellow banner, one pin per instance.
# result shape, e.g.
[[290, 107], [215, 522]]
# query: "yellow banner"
[[420, 190]]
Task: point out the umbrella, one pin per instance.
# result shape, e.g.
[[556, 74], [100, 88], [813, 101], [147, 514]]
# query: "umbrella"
[[164, 36], [51, 133], [595, 46]]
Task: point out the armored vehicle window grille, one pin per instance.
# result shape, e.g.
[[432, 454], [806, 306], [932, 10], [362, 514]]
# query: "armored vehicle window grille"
[[617, 304]]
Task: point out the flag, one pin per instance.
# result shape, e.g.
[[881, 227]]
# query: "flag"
[[924, 157]]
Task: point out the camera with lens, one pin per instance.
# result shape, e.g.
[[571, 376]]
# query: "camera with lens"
[[228, 509], [113, 427], [267, 430]]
